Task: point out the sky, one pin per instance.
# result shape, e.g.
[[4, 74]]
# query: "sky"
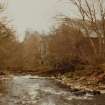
[[36, 15]]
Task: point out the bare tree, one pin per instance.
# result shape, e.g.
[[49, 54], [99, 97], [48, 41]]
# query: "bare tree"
[[92, 23], [62, 46], [31, 47]]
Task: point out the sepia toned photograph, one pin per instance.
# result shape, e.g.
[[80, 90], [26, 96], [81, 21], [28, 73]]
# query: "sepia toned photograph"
[[52, 52]]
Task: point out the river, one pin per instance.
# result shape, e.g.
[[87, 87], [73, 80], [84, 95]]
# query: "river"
[[33, 90]]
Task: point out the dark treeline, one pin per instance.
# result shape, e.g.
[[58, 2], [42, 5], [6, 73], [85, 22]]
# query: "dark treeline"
[[63, 49]]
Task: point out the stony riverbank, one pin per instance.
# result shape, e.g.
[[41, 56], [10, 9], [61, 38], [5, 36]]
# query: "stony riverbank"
[[88, 80]]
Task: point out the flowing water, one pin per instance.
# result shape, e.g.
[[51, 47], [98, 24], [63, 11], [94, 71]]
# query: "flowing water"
[[32, 90]]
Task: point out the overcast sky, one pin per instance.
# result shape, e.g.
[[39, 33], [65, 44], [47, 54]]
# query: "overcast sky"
[[35, 14]]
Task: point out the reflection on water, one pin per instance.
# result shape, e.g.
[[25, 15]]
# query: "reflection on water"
[[2, 87], [29, 90]]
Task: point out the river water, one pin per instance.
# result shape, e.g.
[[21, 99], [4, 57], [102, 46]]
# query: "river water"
[[33, 90]]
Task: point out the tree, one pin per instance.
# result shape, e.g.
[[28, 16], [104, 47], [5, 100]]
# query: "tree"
[[31, 47], [7, 40], [92, 24], [62, 46]]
